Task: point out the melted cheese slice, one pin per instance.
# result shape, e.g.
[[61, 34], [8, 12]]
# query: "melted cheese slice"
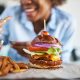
[[55, 58]]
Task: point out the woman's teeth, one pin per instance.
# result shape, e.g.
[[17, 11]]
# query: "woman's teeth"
[[29, 10]]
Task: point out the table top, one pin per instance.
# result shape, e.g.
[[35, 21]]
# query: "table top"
[[69, 71]]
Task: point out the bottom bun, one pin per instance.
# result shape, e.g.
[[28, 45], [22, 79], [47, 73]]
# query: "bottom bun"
[[44, 67], [45, 64]]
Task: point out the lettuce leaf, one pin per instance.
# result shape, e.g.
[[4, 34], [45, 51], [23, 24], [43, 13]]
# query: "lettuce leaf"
[[59, 50], [54, 51]]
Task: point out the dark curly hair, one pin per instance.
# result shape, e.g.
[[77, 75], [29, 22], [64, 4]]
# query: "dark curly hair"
[[57, 2]]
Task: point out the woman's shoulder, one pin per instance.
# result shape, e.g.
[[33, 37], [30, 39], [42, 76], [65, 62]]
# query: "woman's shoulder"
[[63, 15], [65, 18]]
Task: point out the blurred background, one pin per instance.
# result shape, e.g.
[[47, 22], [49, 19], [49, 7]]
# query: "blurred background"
[[72, 7]]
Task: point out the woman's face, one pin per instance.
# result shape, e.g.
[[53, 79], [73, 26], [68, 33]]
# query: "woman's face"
[[36, 9]]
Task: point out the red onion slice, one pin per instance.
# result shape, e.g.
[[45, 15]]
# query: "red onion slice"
[[48, 45]]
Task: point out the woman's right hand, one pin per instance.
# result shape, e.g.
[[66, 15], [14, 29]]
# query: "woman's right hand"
[[19, 47]]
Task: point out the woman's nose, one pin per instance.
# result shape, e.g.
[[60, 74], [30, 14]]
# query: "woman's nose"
[[29, 1], [26, 1]]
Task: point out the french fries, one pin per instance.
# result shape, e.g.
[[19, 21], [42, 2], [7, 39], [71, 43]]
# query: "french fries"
[[12, 69], [3, 21], [8, 65], [22, 65], [0, 64], [4, 63], [6, 69], [17, 71], [14, 64]]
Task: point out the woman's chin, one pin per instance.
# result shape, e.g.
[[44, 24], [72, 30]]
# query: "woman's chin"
[[32, 19]]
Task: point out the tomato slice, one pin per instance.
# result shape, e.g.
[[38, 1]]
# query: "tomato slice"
[[35, 48]]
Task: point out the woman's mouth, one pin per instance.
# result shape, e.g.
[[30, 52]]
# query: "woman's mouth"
[[30, 11]]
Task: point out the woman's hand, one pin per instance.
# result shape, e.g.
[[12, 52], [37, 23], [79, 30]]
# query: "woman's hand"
[[19, 47]]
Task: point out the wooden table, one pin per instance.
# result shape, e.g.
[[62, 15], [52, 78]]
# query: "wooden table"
[[69, 71]]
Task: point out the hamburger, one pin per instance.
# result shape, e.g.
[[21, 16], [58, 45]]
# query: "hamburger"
[[45, 51]]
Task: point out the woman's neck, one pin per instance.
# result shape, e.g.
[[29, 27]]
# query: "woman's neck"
[[39, 25]]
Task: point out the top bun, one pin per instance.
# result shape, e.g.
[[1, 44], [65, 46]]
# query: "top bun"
[[45, 38]]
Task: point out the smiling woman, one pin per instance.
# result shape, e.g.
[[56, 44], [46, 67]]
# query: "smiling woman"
[[28, 21]]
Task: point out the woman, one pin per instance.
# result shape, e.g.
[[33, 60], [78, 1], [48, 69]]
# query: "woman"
[[28, 20]]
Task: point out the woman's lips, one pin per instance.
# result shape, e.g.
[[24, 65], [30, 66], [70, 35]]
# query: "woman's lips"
[[30, 11]]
